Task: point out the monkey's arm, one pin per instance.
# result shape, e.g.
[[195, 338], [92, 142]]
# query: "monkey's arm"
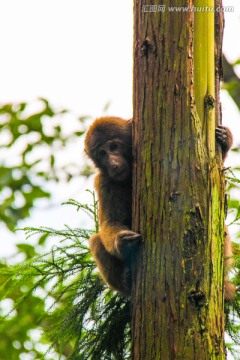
[[115, 218]]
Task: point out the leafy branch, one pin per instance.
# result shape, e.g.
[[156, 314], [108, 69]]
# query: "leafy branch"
[[85, 319]]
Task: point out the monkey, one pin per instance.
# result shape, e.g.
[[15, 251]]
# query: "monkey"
[[229, 288], [108, 143], [225, 139]]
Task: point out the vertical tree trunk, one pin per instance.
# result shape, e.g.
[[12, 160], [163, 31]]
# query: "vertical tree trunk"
[[177, 298]]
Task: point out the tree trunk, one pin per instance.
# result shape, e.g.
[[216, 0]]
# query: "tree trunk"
[[178, 205]]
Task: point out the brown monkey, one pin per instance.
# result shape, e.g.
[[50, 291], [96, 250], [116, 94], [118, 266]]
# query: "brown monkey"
[[224, 137], [109, 144], [229, 288]]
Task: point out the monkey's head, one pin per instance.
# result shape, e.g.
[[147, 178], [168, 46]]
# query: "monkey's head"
[[109, 144]]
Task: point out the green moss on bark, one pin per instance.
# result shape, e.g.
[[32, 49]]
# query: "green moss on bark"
[[178, 205]]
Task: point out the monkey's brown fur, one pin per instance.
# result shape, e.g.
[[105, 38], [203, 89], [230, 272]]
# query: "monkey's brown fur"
[[229, 288], [109, 144], [224, 137]]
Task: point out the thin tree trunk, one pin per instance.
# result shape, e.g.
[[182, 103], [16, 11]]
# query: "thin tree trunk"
[[177, 299]]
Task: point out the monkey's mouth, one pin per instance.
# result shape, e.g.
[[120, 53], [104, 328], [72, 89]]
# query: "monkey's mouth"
[[119, 176]]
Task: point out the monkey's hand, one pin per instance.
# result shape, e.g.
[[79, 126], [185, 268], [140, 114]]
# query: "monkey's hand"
[[224, 137], [126, 241]]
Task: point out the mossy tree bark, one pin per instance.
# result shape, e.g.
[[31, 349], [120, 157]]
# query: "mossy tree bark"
[[178, 206]]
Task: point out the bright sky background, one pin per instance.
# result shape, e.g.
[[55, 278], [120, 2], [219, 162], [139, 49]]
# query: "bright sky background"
[[78, 55], [75, 53]]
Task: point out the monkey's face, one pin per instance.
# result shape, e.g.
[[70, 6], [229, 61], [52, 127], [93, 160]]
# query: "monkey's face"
[[114, 160]]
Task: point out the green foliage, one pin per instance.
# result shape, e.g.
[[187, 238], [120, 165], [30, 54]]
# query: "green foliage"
[[84, 320], [232, 310], [59, 305], [29, 146]]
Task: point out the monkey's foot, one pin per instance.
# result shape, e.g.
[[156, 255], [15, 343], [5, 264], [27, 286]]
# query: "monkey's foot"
[[126, 241]]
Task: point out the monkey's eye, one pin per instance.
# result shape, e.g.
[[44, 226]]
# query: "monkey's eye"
[[113, 147]]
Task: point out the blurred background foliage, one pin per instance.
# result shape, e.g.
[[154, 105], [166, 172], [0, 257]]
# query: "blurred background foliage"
[[31, 147]]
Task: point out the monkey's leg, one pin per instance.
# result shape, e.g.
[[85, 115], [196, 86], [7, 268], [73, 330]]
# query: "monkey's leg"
[[115, 273], [230, 289]]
